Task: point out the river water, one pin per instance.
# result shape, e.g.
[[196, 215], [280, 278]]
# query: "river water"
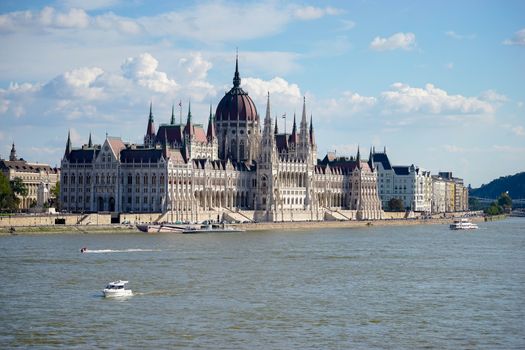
[[361, 288]]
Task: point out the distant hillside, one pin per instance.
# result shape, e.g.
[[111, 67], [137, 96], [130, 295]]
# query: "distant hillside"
[[515, 184]]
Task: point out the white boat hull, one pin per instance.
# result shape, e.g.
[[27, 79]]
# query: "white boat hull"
[[108, 293]]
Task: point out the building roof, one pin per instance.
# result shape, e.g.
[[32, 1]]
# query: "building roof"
[[83, 155], [21, 165], [141, 155], [401, 169], [383, 159]]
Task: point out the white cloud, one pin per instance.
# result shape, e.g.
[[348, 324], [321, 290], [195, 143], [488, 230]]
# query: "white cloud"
[[310, 12], [284, 96], [76, 83], [143, 70], [517, 39], [47, 18], [405, 41], [519, 130], [452, 34], [432, 100], [493, 96], [89, 5]]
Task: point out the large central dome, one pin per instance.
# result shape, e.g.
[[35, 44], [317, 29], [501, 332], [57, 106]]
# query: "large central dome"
[[236, 104]]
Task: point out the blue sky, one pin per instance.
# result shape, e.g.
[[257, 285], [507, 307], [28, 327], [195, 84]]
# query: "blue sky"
[[439, 83]]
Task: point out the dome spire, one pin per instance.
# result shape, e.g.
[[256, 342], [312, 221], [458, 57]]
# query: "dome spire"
[[12, 155], [90, 143], [236, 77]]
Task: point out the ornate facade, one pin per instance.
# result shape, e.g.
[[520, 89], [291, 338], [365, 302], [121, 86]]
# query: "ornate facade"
[[238, 169], [38, 178]]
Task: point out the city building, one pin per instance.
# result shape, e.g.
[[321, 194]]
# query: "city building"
[[237, 169], [411, 184], [38, 178]]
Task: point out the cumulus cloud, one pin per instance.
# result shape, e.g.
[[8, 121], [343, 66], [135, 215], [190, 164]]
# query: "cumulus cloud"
[[284, 96], [517, 39], [143, 70], [306, 13], [405, 41], [47, 18], [432, 100], [76, 83]]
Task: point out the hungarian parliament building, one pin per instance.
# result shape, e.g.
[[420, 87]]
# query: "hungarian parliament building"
[[237, 169]]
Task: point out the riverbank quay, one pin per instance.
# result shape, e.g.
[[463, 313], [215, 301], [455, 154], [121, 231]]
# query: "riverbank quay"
[[69, 229], [263, 226], [310, 225]]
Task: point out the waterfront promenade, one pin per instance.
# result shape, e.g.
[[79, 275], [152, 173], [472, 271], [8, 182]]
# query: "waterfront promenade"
[[297, 225]]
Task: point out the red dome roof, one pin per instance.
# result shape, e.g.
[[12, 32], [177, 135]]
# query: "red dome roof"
[[236, 104]]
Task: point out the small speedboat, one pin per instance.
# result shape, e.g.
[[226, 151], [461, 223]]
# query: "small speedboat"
[[83, 249], [463, 224], [117, 289]]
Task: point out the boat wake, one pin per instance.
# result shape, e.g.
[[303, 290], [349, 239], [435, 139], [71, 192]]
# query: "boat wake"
[[102, 251]]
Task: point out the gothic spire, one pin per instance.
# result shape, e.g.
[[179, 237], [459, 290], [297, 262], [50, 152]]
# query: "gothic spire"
[[211, 127], [294, 131], [303, 117], [371, 159], [150, 131], [68, 144], [189, 127], [276, 130], [12, 155], [90, 143], [236, 77], [358, 158], [312, 138], [172, 121]]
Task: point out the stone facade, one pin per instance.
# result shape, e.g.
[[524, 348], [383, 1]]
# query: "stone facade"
[[39, 178], [233, 171], [411, 184]]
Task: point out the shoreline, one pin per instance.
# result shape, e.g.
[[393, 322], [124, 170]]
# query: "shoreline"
[[266, 226]]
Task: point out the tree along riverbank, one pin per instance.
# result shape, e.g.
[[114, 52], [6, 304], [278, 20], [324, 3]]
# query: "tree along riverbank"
[[296, 225]]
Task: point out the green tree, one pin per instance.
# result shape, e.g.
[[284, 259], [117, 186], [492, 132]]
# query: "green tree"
[[395, 204], [505, 201], [55, 195], [19, 187], [8, 200]]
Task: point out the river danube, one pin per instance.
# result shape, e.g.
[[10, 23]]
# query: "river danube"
[[378, 287]]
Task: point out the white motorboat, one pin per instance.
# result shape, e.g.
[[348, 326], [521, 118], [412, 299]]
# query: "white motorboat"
[[117, 289], [463, 224]]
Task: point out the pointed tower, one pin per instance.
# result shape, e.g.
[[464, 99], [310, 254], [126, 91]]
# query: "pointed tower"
[[293, 137], [188, 129], [172, 121], [267, 169], [68, 145], [12, 155], [149, 138], [276, 130], [312, 138], [371, 159], [90, 143], [304, 142], [358, 158], [210, 134], [236, 76]]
